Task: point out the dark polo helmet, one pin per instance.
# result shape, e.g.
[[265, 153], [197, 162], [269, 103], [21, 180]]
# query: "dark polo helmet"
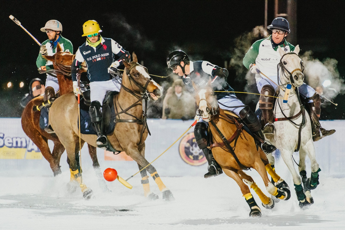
[[176, 57], [280, 23], [32, 81]]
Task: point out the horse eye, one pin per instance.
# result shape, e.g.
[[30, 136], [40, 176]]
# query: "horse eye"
[[284, 62]]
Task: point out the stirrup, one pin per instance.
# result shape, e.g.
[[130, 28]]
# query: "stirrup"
[[101, 141], [213, 171]]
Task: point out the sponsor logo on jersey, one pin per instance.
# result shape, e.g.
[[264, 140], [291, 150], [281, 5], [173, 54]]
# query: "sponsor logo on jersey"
[[86, 52], [190, 152]]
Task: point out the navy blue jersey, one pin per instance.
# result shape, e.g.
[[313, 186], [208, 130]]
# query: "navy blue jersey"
[[203, 71], [98, 59]]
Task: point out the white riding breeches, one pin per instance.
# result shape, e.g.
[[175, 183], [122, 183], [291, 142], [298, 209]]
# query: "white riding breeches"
[[305, 90], [52, 82], [98, 89], [230, 103]]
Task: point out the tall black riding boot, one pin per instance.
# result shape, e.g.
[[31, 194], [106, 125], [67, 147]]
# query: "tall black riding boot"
[[213, 167], [252, 122], [201, 137], [97, 121], [266, 103]]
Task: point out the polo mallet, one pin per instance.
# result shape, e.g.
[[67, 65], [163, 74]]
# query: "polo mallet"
[[20, 24]]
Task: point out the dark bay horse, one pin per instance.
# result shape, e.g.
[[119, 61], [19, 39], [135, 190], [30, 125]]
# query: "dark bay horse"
[[238, 152], [130, 131], [30, 118]]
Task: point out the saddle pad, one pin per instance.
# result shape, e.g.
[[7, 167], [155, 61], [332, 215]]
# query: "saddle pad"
[[87, 127], [44, 118]]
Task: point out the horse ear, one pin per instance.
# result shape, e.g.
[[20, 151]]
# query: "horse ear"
[[281, 51], [58, 48], [126, 64], [135, 58], [297, 49], [48, 58]]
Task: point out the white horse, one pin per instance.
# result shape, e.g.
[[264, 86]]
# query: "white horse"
[[293, 126]]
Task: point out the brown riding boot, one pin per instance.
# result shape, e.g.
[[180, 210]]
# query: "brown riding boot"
[[315, 112], [266, 106]]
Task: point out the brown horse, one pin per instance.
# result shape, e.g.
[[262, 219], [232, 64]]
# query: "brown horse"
[[238, 152], [30, 118], [130, 131]]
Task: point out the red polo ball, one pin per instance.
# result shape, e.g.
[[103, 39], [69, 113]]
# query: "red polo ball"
[[110, 174]]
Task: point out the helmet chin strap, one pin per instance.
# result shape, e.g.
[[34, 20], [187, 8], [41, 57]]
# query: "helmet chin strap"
[[183, 68]]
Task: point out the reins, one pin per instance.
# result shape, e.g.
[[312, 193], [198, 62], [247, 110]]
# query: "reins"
[[142, 98], [302, 109]]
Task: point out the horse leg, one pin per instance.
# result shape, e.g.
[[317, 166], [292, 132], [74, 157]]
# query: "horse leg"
[[280, 184], [93, 154], [57, 152], [313, 181], [255, 211], [132, 151], [74, 165], [287, 157], [303, 174], [266, 201], [42, 143], [146, 185]]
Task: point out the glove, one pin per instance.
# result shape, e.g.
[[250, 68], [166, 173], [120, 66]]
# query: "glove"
[[43, 50], [76, 89], [254, 68], [113, 67]]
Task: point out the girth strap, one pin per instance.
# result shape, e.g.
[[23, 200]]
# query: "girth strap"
[[231, 139], [288, 118], [227, 144]]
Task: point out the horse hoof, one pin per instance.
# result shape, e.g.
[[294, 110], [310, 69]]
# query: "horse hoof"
[[152, 196], [310, 185], [304, 204], [284, 194], [255, 212], [168, 196], [87, 194], [57, 172], [270, 205], [310, 200]]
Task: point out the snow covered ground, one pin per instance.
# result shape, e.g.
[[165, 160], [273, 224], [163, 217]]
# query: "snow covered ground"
[[41, 202]]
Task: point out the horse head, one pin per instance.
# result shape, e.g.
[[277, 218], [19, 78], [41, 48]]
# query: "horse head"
[[291, 67], [138, 74], [207, 101], [62, 61]]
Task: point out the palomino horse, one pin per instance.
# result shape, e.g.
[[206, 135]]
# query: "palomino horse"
[[292, 124], [130, 131], [235, 150], [30, 119]]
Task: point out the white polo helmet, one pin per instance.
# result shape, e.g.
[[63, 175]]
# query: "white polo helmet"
[[52, 25]]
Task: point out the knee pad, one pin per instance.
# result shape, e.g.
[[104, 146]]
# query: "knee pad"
[[200, 133], [266, 102]]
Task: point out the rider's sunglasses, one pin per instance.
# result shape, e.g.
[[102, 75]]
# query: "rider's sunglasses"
[[92, 35], [49, 31], [280, 32]]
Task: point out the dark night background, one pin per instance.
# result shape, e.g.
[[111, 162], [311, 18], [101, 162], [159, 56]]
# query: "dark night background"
[[205, 29]]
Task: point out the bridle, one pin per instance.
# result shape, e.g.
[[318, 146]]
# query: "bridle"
[[62, 69], [290, 74], [142, 97], [302, 109]]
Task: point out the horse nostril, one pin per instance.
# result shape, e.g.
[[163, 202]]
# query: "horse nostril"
[[296, 77], [157, 92]]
